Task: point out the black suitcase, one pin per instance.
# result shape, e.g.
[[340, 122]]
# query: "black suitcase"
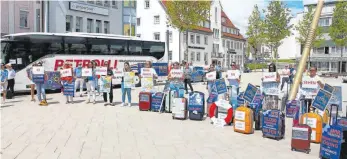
[[9, 95], [196, 105], [258, 119]]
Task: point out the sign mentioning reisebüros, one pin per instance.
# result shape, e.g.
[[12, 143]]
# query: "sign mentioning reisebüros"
[[88, 8]]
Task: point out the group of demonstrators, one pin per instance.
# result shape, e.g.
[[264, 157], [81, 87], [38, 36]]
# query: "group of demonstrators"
[[7, 75]]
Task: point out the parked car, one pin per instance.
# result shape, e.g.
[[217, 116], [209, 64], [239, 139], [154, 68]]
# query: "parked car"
[[247, 70]]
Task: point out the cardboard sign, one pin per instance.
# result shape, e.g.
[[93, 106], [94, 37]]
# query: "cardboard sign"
[[101, 71], [118, 73], [291, 108], [308, 82], [69, 89], [328, 88], [38, 70], [270, 77], [270, 88], [250, 93], [87, 72], [270, 123], [146, 73], [232, 74], [321, 100], [66, 73], [221, 86], [176, 73], [330, 146], [211, 76], [129, 81]]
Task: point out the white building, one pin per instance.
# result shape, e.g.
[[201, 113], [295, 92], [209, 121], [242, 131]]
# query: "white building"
[[204, 42]]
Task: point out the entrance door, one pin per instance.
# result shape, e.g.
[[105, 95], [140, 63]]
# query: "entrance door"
[[344, 67]]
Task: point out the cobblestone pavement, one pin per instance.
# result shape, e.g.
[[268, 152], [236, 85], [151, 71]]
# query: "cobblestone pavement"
[[93, 131]]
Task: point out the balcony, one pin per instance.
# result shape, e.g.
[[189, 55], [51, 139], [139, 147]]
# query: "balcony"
[[217, 55]]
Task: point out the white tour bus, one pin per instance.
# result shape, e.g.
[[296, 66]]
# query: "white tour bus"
[[53, 49]]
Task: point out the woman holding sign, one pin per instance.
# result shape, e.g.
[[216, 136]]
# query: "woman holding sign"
[[90, 82], [107, 85], [126, 83], [39, 77], [270, 84], [67, 79], [147, 76]]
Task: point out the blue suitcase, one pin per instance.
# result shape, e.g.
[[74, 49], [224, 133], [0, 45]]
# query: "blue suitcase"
[[156, 101], [196, 105], [273, 124]]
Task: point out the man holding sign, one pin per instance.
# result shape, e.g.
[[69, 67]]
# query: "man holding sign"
[[38, 75], [67, 79], [234, 78]]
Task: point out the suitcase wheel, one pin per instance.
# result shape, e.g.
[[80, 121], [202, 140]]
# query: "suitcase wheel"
[[293, 149]]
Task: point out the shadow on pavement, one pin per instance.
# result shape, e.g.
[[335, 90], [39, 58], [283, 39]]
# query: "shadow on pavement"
[[5, 106]]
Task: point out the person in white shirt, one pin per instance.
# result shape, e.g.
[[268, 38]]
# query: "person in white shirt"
[[148, 64], [10, 79], [237, 77], [285, 76]]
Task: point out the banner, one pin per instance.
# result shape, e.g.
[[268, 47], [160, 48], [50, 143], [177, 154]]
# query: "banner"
[[69, 89], [270, 123], [147, 84], [176, 73], [118, 73], [129, 79], [221, 86], [321, 100], [53, 80], [106, 84], [66, 72], [330, 146], [270, 77], [101, 71], [270, 88], [87, 72], [146, 73], [250, 93], [211, 76]]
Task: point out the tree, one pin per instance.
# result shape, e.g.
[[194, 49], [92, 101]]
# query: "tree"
[[255, 30], [302, 28], [338, 29], [187, 15], [276, 25]]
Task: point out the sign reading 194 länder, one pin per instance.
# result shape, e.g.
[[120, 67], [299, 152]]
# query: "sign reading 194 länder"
[[88, 8]]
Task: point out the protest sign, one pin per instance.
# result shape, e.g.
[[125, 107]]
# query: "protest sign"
[[270, 77], [101, 71], [328, 88], [270, 88], [129, 79], [330, 146], [69, 89], [336, 97], [66, 72], [117, 73], [250, 93], [176, 73], [38, 70], [211, 76], [233, 74], [291, 108], [270, 123], [38, 74], [146, 73], [321, 100], [87, 72], [221, 86], [106, 84], [147, 84], [308, 82]]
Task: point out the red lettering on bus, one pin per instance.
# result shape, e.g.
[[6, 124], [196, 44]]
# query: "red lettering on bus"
[[78, 62], [58, 63]]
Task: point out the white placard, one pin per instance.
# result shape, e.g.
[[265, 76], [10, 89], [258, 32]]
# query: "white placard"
[[12, 61], [313, 135], [239, 115], [211, 76], [232, 74], [102, 71], [87, 72], [239, 125], [19, 61], [118, 73], [38, 70], [219, 123], [308, 82], [66, 72], [312, 122], [223, 104], [269, 77], [176, 73], [222, 116], [146, 72]]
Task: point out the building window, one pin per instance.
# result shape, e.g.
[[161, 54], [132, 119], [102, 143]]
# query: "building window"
[[146, 4], [157, 36], [127, 31], [324, 21], [68, 22], [232, 44], [192, 38], [138, 35], [114, 4], [223, 44], [138, 21], [186, 56], [223, 19], [23, 19], [79, 24], [170, 36], [38, 21], [192, 56], [90, 1], [216, 33], [106, 3], [89, 25], [98, 26], [228, 44], [198, 39], [206, 40], [198, 56], [106, 27], [216, 14], [38, 2], [205, 56], [99, 2], [170, 55], [184, 37], [156, 19]]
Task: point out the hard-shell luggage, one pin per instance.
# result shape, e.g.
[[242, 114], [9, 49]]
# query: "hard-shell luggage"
[[168, 101], [273, 124], [196, 105], [315, 121], [157, 101], [179, 108], [243, 120], [145, 101], [301, 138]]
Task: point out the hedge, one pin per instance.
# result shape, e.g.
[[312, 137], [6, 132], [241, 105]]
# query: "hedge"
[[254, 66]]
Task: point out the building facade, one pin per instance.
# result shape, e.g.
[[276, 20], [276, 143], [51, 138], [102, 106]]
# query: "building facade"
[[86, 16], [20, 16], [201, 46]]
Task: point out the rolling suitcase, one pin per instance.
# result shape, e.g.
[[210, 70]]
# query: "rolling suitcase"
[[145, 101], [301, 138], [273, 125], [157, 101], [179, 108], [168, 102], [315, 121], [196, 105], [243, 120]]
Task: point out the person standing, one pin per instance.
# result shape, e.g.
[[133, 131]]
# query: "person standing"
[[79, 80], [3, 76], [11, 76], [40, 89], [285, 76], [187, 78], [32, 84], [68, 80], [91, 83], [126, 91], [271, 101], [291, 73], [219, 70], [110, 91]]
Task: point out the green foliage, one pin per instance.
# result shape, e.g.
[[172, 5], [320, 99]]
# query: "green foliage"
[[338, 29], [254, 66], [255, 29], [303, 28], [248, 51], [285, 61], [276, 24], [186, 15]]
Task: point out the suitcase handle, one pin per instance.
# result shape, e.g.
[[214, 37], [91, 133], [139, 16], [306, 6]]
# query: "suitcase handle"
[[331, 110]]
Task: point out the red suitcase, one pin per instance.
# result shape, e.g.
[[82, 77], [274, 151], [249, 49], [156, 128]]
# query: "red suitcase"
[[301, 138], [145, 101]]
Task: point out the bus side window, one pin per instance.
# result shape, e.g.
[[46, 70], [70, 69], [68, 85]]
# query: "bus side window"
[[135, 47], [118, 47]]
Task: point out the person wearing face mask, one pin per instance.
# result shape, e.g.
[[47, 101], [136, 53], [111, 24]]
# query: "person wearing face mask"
[[110, 92], [3, 76], [126, 91], [40, 89], [11, 76], [90, 82], [78, 78]]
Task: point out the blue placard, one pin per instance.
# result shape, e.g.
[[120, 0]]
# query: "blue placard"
[[212, 97], [240, 100], [144, 98], [221, 86], [328, 88], [38, 78], [233, 82], [250, 93], [330, 146], [321, 100], [157, 99], [291, 108], [343, 123], [196, 102], [270, 123], [270, 88], [233, 96], [69, 88], [258, 101], [336, 97], [211, 87]]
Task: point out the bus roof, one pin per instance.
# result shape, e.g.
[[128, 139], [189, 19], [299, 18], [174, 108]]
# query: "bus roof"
[[78, 34]]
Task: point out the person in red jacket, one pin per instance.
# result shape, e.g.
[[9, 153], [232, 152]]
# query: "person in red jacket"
[[67, 79]]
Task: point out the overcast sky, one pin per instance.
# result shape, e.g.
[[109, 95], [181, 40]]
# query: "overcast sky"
[[239, 10]]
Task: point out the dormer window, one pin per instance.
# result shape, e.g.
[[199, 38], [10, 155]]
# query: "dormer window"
[[223, 20]]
